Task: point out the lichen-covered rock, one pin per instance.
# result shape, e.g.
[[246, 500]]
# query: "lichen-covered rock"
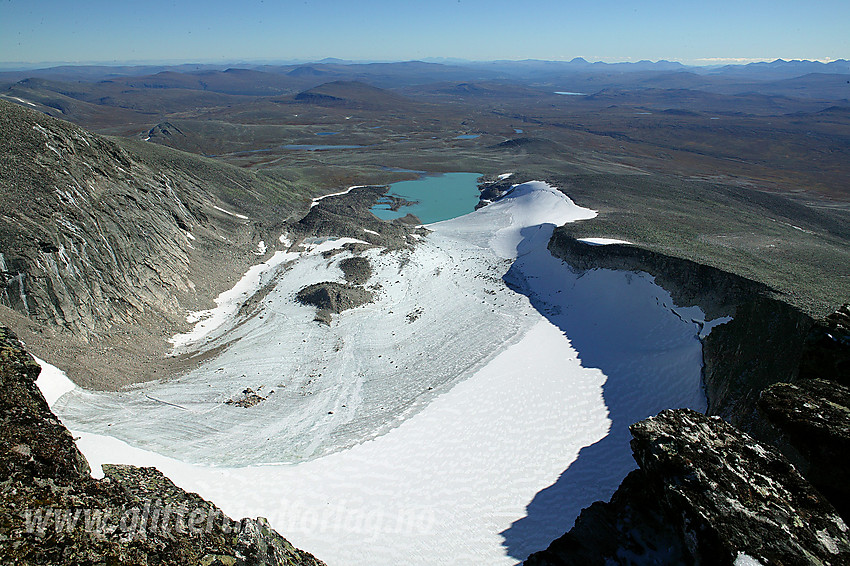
[[813, 416], [33, 441], [53, 512], [736, 495], [705, 493]]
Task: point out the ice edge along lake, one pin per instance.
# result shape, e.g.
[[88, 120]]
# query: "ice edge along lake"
[[483, 468]]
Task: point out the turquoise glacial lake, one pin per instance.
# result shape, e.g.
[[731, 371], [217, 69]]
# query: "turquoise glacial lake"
[[437, 197]]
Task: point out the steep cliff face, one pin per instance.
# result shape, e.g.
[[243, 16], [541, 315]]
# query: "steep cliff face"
[[705, 493], [826, 350], [106, 244], [53, 512], [91, 235], [761, 345]]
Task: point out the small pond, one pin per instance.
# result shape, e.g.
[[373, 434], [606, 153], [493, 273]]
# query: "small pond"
[[435, 197]]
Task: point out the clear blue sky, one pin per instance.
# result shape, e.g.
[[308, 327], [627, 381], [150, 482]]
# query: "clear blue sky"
[[607, 30]]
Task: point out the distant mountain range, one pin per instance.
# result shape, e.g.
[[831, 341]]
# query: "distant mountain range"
[[777, 69]]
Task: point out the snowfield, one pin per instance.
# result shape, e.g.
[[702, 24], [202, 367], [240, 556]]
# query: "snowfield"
[[464, 417]]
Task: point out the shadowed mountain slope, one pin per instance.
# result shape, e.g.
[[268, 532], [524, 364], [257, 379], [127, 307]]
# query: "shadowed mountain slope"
[[99, 234]]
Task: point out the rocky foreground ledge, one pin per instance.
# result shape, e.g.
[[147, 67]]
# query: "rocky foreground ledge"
[[705, 493], [53, 512]]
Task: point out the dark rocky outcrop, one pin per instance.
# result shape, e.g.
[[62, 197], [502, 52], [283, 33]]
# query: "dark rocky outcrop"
[[247, 399], [53, 512], [492, 189], [348, 215], [357, 270], [704, 494], [332, 297], [33, 439]]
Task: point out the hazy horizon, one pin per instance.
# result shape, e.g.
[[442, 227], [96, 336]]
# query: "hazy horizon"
[[100, 32], [7, 66]]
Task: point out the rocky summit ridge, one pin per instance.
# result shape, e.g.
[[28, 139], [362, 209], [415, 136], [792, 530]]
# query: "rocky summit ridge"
[[705, 493]]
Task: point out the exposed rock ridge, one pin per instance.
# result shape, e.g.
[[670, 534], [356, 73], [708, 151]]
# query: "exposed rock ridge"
[[348, 215], [705, 493], [813, 420], [134, 516], [491, 189]]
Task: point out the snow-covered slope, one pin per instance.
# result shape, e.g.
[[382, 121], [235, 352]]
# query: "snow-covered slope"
[[433, 426]]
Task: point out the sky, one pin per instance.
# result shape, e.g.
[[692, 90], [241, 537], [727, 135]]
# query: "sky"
[[37, 31]]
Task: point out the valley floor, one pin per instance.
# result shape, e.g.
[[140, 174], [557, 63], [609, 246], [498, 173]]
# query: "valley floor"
[[465, 416]]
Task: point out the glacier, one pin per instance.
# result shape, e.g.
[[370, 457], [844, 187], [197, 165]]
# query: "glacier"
[[431, 426]]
